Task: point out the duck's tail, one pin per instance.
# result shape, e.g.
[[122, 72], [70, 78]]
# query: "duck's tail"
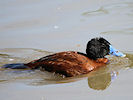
[[31, 65], [15, 66]]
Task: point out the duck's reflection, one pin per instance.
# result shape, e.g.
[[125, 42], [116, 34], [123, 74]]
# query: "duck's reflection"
[[102, 81]]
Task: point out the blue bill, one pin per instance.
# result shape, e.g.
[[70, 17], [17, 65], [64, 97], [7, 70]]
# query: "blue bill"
[[115, 52]]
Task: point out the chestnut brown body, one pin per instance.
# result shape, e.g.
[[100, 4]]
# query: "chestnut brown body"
[[73, 63], [68, 63]]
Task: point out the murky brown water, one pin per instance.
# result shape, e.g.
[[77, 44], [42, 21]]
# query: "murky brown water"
[[32, 29]]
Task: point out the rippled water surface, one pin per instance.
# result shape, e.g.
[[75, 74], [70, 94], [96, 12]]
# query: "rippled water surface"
[[33, 29]]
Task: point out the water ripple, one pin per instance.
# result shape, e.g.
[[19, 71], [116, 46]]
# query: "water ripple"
[[117, 8], [37, 77]]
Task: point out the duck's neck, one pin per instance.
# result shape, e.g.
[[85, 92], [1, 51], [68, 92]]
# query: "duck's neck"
[[102, 60], [82, 54], [99, 60]]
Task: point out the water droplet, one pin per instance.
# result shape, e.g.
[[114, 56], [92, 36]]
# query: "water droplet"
[[56, 27], [11, 59]]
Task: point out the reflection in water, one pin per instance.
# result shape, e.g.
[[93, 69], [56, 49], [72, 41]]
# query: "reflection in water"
[[130, 56], [98, 80], [101, 82]]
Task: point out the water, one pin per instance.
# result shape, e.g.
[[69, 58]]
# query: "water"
[[33, 29]]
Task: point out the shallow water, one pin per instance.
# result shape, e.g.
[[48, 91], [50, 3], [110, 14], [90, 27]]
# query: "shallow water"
[[17, 55], [32, 29], [100, 79]]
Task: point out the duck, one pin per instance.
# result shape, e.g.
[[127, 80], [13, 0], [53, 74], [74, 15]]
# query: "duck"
[[73, 63]]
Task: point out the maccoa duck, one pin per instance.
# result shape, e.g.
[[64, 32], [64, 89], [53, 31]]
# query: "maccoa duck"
[[72, 63]]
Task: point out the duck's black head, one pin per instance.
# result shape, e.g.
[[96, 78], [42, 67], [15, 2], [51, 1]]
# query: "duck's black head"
[[99, 48]]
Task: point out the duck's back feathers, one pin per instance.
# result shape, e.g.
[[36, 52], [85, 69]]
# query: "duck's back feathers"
[[67, 63]]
